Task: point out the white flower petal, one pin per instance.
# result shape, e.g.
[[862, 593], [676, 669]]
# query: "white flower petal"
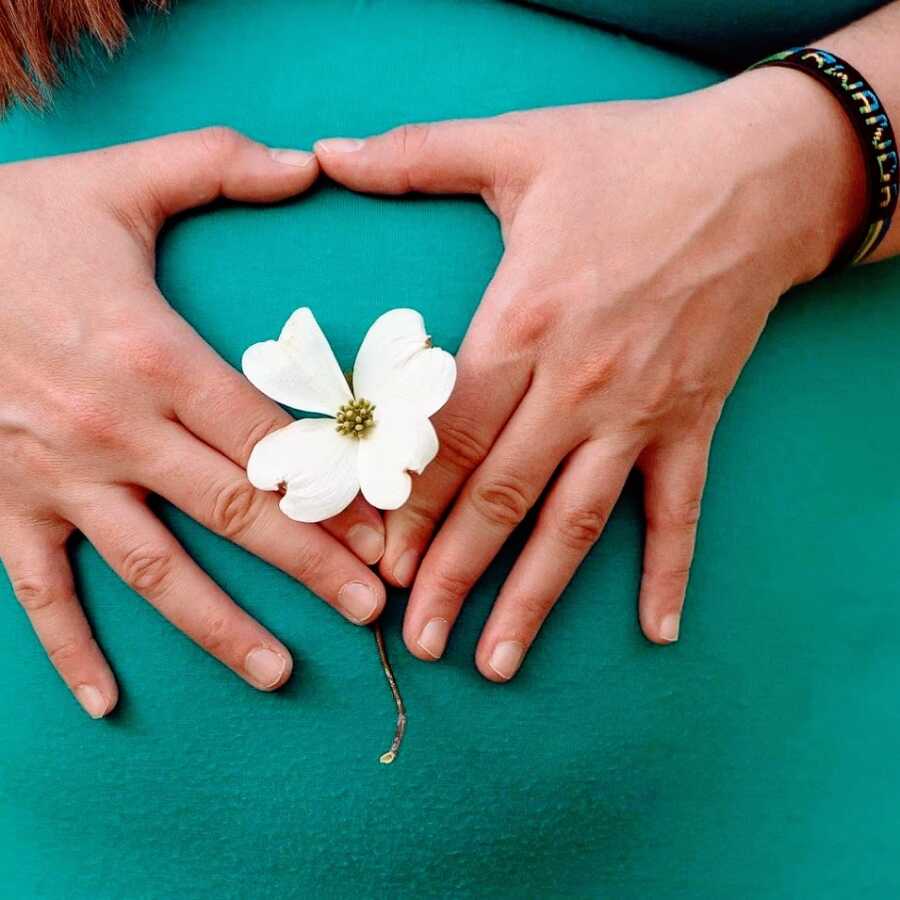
[[396, 362], [401, 442], [317, 465], [299, 369], [425, 383]]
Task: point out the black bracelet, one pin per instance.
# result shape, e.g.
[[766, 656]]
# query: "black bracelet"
[[872, 126]]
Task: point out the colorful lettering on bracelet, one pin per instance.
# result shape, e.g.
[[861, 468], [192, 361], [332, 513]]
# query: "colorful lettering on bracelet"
[[882, 125], [872, 126], [887, 166], [835, 69]]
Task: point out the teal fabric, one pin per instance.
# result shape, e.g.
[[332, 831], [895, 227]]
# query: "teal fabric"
[[756, 758], [722, 32]]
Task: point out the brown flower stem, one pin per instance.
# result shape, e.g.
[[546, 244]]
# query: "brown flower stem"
[[388, 757]]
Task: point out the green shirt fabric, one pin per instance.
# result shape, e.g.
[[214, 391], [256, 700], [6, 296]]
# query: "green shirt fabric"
[[755, 758]]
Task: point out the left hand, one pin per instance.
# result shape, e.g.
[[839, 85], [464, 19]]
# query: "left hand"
[[645, 245]]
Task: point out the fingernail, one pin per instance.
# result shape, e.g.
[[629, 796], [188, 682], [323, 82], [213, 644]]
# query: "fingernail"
[[297, 158], [338, 145], [405, 568], [506, 658], [366, 542], [94, 703], [668, 627], [265, 666], [433, 638], [358, 601]]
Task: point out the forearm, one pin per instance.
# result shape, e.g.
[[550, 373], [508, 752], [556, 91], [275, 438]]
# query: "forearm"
[[799, 173], [804, 146]]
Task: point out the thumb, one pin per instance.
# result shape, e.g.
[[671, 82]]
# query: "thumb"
[[455, 157], [170, 174]]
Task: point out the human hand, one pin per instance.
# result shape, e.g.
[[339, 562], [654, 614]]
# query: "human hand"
[[106, 394], [645, 245]]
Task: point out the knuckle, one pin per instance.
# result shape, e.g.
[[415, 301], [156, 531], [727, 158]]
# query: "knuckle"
[[94, 420], [680, 395], [462, 448], [146, 357], [219, 141], [409, 143], [310, 564], [594, 374], [147, 569], [418, 518], [655, 406], [449, 584], [535, 311], [502, 500], [688, 512], [683, 515], [233, 508], [213, 634], [532, 609], [66, 651], [579, 527], [33, 592], [529, 319], [412, 138], [667, 579]]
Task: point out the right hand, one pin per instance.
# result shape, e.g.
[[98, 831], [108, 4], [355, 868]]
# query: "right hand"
[[107, 394]]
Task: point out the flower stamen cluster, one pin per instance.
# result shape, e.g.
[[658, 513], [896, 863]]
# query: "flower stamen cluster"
[[354, 419]]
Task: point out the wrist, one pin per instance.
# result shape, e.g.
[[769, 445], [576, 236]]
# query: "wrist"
[[801, 151]]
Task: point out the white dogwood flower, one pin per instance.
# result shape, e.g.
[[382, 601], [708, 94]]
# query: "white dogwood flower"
[[375, 435]]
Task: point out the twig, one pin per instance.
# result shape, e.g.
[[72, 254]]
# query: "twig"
[[391, 755]]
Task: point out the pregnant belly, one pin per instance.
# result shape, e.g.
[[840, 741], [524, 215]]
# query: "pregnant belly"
[[730, 765]]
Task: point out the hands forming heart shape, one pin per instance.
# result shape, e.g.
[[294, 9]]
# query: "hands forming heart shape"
[[631, 292]]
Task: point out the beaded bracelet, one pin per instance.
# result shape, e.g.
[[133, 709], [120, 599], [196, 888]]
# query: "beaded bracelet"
[[872, 126]]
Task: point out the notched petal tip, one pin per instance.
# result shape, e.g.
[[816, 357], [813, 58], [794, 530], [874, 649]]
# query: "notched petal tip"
[[299, 369], [262, 471], [301, 318], [398, 362], [314, 466]]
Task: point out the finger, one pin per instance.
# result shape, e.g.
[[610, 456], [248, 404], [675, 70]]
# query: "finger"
[[674, 476], [571, 520], [218, 405], [459, 157], [467, 428], [214, 491], [494, 501], [361, 528], [41, 576], [170, 174], [145, 555]]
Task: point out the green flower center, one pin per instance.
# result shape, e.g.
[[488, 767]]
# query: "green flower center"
[[355, 419]]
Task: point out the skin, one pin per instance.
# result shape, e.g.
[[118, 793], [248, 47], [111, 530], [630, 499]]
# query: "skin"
[[645, 246], [107, 394]]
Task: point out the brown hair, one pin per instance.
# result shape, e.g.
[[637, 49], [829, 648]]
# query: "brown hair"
[[36, 36]]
